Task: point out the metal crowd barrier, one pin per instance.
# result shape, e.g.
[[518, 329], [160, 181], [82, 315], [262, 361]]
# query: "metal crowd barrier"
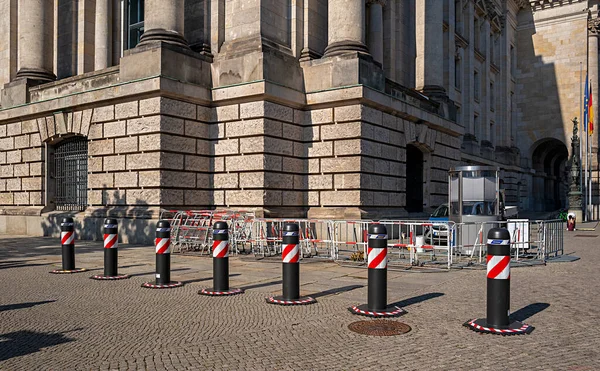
[[410, 242]]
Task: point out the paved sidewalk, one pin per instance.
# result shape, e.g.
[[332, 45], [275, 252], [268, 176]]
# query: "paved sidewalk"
[[71, 322]]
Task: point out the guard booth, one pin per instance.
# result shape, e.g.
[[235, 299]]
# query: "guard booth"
[[474, 205]]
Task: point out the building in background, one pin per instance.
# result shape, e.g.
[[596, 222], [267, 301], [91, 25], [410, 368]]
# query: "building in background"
[[326, 109]]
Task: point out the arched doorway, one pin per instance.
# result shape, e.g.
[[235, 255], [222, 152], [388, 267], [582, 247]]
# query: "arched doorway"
[[414, 179], [549, 183]]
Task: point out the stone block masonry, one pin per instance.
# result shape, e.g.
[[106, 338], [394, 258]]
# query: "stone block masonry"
[[161, 152]]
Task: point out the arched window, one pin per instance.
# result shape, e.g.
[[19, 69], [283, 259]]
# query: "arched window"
[[70, 167]]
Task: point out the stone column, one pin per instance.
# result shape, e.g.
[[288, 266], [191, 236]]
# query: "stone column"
[[163, 21], [34, 44], [375, 33], [429, 16], [103, 35], [346, 27]]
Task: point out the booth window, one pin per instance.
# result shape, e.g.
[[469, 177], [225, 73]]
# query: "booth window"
[[70, 174]]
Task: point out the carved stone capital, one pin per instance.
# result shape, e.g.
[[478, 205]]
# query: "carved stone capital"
[[593, 24]]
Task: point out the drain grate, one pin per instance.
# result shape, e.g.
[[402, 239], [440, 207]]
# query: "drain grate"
[[585, 235], [379, 327]]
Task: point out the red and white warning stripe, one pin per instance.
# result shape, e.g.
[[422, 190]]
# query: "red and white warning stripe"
[[67, 238], [523, 329], [163, 245], [111, 241], [221, 293], [498, 267], [307, 300], [377, 258], [396, 311], [290, 253], [220, 249]]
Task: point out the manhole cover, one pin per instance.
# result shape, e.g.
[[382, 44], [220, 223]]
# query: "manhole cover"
[[379, 327]]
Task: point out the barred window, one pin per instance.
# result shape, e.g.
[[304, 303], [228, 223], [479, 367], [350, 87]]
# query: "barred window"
[[70, 174]]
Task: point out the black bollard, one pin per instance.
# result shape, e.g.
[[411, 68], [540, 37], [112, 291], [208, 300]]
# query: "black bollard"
[[290, 254], [220, 250], [163, 258], [377, 264], [67, 241], [498, 289], [111, 256]]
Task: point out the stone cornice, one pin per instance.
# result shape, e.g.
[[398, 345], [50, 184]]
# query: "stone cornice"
[[547, 4]]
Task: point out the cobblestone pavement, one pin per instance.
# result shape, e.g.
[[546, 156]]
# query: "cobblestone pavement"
[[64, 322]]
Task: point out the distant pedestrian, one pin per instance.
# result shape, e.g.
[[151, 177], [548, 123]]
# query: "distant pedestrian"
[[571, 222]]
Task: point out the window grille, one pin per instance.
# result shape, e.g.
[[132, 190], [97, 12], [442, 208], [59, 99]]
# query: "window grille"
[[71, 166]]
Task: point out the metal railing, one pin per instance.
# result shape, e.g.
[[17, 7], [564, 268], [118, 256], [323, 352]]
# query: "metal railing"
[[410, 243]]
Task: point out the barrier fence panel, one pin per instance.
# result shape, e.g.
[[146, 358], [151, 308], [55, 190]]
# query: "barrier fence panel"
[[553, 236], [410, 242], [419, 242], [350, 240], [316, 238]]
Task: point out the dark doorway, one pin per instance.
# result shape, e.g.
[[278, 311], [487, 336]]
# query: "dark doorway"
[[549, 188], [414, 179]]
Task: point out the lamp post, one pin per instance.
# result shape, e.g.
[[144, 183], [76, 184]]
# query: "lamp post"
[[575, 195]]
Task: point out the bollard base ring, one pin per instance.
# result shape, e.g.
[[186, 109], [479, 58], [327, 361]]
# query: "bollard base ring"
[[390, 311], [212, 292], [109, 278], [515, 328], [279, 300], [170, 285], [68, 271]]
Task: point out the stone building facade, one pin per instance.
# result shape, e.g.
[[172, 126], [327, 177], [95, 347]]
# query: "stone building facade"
[[333, 109]]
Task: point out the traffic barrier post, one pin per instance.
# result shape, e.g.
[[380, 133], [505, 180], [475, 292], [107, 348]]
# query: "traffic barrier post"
[[220, 251], [163, 258], [498, 289], [290, 253], [111, 256], [67, 241], [377, 277]]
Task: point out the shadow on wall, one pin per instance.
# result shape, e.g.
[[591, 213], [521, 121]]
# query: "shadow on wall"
[[542, 133], [136, 223]]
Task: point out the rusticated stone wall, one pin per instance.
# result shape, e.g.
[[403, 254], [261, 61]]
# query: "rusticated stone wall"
[[174, 154]]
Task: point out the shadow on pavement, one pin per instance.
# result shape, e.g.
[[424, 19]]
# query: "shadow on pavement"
[[27, 247], [4, 308], [259, 285], [19, 343], [19, 264], [207, 278], [132, 265], [154, 272], [528, 311], [337, 290], [417, 299]]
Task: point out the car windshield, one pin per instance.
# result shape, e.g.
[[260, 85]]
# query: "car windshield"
[[440, 212], [478, 208]]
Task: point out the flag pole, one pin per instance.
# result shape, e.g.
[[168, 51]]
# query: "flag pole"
[[581, 123], [589, 185], [591, 156]]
